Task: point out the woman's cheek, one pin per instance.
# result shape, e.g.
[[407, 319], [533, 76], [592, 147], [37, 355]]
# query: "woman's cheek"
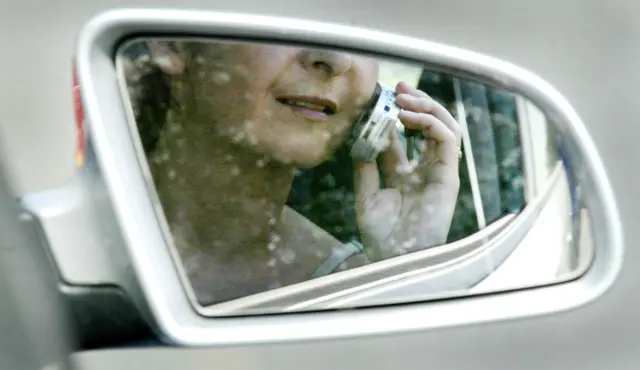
[[326, 141]]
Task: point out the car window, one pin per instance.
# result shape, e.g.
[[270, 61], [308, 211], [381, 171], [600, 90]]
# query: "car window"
[[251, 152], [492, 178]]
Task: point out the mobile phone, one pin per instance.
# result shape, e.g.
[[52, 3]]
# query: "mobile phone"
[[373, 127]]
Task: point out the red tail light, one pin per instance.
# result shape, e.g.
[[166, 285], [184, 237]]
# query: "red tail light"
[[79, 116]]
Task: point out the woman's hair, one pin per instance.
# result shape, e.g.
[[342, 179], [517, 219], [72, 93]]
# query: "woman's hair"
[[150, 91], [323, 194]]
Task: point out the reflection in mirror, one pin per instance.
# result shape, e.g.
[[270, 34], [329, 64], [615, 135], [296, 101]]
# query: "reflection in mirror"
[[292, 178]]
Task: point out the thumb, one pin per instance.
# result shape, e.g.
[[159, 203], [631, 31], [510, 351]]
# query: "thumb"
[[366, 182]]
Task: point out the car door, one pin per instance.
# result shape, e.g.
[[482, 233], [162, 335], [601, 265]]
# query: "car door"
[[586, 50]]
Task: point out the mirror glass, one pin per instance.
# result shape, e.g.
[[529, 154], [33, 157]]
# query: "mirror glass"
[[292, 178]]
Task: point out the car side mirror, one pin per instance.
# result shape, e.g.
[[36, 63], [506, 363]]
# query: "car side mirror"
[[234, 166]]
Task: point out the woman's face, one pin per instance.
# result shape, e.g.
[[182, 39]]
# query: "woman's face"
[[291, 104]]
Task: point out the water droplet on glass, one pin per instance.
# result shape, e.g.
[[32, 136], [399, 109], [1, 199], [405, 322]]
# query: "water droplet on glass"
[[409, 243], [430, 209], [272, 262], [255, 231], [329, 180], [53, 366], [288, 256], [199, 59], [221, 78], [317, 234], [415, 179], [164, 61], [336, 131], [399, 251], [403, 169], [235, 171], [238, 137], [175, 128], [242, 70], [285, 160], [568, 238], [171, 174], [253, 140], [275, 238], [24, 216], [271, 247], [218, 243], [413, 217], [272, 221]]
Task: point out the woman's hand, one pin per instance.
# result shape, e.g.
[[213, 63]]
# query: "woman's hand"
[[415, 209]]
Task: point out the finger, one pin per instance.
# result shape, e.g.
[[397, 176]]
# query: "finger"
[[431, 151], [393, 161], [425, 104], [434, 129], [428, 124], [404, 88]]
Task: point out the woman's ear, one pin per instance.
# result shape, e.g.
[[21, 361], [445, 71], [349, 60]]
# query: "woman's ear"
[[168, 59]]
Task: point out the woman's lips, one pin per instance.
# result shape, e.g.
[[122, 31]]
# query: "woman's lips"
[[316, 109], [310, 113]]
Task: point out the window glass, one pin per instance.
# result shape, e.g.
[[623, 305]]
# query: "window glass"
[[494, 139], [257, 154]]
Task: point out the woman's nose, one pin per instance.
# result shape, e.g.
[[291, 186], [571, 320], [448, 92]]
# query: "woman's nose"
[[329, 63]]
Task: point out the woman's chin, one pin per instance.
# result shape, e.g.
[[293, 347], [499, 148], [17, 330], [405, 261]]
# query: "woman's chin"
[[309, 162], [302, 160]]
